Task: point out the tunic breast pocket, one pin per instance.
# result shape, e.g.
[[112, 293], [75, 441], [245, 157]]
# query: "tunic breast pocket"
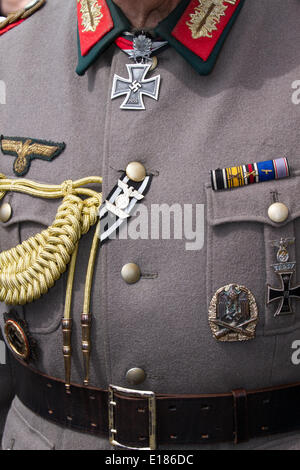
[[251, 245], [30, 216]]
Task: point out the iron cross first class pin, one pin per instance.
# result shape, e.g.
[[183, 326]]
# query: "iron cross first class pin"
[[285, 269], [137, 85]]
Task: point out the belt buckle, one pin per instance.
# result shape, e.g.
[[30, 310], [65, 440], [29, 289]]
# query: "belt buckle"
[[150, 396]]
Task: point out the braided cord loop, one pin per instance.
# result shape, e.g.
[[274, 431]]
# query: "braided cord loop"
[[30, 269]]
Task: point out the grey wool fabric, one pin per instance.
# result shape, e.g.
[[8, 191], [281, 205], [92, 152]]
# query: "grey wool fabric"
[[242, 112]]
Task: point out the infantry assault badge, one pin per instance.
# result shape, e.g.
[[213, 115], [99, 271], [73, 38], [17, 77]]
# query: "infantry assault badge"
[[233, 314]]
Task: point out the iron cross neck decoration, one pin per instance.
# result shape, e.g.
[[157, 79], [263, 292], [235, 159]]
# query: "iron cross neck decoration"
[[137, 85], [285, 269]]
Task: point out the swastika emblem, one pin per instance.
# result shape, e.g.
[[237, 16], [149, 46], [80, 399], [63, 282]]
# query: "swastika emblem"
[[135, 86]]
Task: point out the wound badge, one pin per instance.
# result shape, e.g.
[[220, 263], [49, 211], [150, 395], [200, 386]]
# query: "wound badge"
[[25, 150], [233, 314], [18, 338]]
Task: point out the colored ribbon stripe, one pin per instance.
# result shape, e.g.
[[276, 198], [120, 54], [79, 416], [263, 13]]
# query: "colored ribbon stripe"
[[250, 173], [235, 176]]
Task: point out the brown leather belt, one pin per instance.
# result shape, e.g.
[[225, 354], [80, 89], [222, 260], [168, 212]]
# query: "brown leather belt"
[[135, 420]]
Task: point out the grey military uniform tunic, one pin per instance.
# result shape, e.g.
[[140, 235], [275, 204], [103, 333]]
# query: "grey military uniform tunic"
[[241, 112]]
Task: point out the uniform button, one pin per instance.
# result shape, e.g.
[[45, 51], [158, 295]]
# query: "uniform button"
[[5, 212], [135, 376], [136, 171], [278, 212], [131, 273]]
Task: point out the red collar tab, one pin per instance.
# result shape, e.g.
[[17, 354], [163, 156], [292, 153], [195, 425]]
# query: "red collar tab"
[[203, 23], [94, 22], [10, 26]]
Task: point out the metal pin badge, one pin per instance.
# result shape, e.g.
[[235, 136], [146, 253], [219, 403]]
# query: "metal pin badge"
[[137, 85]]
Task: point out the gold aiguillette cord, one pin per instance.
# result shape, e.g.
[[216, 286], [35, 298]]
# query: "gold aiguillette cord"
[[57, 245], [67, 321], [85, 316]]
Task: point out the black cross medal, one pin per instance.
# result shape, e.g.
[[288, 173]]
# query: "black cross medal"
[[135, 87], [285, 271]]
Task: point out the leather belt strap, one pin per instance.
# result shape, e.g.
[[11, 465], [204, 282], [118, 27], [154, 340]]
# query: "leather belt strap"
[[240, 408], [180, 419]]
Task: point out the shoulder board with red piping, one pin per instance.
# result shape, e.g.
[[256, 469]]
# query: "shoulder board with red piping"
[[197, 29], [100, 22], [18, 17]]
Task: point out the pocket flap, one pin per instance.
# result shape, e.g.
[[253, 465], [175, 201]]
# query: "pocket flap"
[[251, 203], [27, 208]]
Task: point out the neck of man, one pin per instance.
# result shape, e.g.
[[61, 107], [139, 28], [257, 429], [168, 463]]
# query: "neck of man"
[[146, 14]]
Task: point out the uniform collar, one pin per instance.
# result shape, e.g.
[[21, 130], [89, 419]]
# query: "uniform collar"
[[196, 29]]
